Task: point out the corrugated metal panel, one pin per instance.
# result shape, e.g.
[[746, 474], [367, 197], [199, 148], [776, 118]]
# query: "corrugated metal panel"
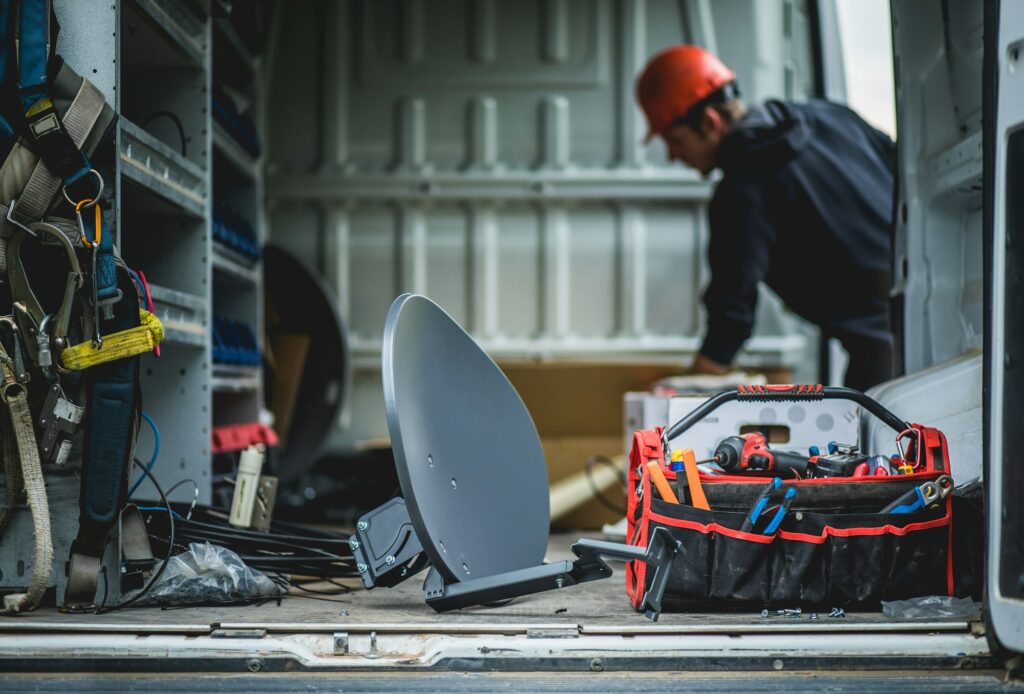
[[488, 154], [937, 48]]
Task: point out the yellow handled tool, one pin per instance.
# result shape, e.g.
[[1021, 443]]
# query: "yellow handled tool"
[[689, 461]]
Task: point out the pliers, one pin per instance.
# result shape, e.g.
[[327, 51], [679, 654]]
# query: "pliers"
[[921, 497], [760, 505]]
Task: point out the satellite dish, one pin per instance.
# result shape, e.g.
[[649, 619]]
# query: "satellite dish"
[[469, 452], [473, 478]]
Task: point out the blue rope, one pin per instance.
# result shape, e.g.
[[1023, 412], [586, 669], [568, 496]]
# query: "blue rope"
[[156, 451]]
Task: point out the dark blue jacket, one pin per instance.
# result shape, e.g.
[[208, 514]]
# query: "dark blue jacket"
[[805, 205]]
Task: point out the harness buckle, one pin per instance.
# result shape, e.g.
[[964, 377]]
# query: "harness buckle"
[[59, 419], [11, 219], [44, 328]]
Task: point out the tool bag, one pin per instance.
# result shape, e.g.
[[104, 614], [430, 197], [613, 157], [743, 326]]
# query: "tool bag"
[[833, 547]]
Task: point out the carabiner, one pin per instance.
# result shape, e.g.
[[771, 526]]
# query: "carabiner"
[[915, 448], [18, 361], [97, 224], [31, 313]]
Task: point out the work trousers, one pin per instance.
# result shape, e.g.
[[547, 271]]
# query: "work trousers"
[[871, 361]]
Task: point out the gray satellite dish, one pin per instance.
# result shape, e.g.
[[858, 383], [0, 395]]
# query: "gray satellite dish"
[[473, 478]]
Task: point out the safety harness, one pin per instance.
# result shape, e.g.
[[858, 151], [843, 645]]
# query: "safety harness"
[[70, 345]]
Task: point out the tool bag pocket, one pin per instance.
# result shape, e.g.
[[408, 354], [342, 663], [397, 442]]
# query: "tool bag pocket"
[[833, 549]]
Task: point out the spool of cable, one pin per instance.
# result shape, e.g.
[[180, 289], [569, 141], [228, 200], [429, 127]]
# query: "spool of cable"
[[308, 371]]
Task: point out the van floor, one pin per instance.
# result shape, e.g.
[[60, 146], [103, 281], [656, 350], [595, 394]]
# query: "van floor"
[[595, 607], [389, 639]]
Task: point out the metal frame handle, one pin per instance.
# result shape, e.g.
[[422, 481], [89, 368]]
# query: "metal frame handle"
[[770, 393]]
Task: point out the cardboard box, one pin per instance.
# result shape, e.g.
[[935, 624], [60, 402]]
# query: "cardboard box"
[[580, 398], [289, 360], [577, 408]]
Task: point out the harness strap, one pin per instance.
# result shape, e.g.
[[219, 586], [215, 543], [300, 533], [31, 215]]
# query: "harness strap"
[[52, 141], [126, 343], [14, 485], [112, 405], [44, 182], [104, 276], [50, 152], [16, 399], [7, 135], [135, 546]]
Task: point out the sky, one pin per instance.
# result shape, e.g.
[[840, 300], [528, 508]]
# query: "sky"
[[867, 58]]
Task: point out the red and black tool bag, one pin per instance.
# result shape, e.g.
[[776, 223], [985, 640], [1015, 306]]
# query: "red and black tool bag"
[[833, 547]]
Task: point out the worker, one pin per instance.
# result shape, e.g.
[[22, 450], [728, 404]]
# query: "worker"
[[804, 205]]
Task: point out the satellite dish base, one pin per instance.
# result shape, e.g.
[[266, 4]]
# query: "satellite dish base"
[[385, 546], [388, 552]]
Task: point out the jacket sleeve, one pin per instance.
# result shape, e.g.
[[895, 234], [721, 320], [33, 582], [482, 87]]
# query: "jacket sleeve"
[[739, 253], [886, 145]]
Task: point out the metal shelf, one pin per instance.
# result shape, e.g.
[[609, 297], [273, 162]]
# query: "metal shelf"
[[236, 379], [244, 162], [228, 31], [179, 26], [957, 171], [183, 316], [155, 166], [631, 184], [234, 266]]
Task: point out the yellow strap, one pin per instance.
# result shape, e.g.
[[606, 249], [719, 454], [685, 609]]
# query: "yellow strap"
[[121, 345]]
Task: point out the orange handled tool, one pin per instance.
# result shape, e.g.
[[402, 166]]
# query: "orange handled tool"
[[697, 497], [658, 477]]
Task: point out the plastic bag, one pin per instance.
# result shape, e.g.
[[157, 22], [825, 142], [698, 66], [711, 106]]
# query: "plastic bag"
[[208, 573], [931, 607]]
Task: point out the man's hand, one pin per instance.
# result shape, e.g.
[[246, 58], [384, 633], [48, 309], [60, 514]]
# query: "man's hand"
[[704, 365]]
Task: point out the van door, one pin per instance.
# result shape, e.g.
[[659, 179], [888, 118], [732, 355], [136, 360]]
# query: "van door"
[[1004, 358]]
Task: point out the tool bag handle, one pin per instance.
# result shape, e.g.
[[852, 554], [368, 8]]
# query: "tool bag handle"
[[784, 392]]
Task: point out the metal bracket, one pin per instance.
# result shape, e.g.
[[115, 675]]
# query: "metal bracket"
[[659, 554], [385, 546], [590, 566], [59, 418]]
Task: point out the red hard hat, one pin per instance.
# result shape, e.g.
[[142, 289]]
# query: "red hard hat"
[[674, 81]]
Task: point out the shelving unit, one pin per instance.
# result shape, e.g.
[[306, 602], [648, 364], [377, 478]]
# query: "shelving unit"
[[176, 166], [164, 211], [237, 184]]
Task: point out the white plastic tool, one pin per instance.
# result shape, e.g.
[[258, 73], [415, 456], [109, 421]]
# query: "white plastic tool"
[[247, 485]]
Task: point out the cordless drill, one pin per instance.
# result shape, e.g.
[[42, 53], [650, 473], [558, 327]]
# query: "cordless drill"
[[750, 453]]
